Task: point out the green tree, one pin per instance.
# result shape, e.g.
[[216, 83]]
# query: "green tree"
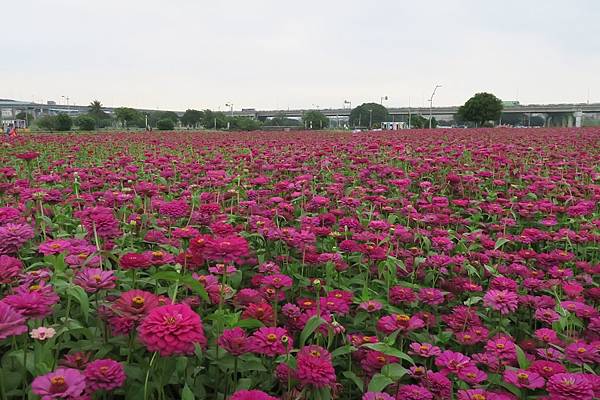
[[165, 124], [191, 118], [46, 123], [315, 120], [85, 122], [481, 109], [25, 116], [214, 120], [244, 123], [369, 115], [63, 122], [418, 121], [95, 111], [129, 117], [282, 120]]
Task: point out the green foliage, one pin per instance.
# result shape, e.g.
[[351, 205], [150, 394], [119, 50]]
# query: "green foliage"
[[214, 120], [25, 116], [192, 118], [282, 120], [315, 120], [165, 124], [63, 122], [46, 123], [369, 115], [85, 122], [481, 108], [419, 122], [129, 117], [244, 124]]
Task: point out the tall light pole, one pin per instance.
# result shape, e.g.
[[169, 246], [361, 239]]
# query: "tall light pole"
[[230, 105], [409, 113], [370, 119], [349, 108], [382, 98], [431, 103]]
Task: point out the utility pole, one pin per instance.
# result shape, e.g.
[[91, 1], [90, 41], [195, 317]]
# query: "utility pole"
[[370, 119], [431, 103]]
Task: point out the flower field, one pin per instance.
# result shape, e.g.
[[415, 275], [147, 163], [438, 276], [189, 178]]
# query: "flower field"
[[420, 265]]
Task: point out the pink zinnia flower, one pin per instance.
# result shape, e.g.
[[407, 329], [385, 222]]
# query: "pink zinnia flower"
[[10, 268], [234, 341], [229, 249], [95, 279], [172, 329], [135, 304], [547, 368], [569, 386], [523, 379], [370, 306], [424, 350], [135, 261], [105, 374], [12, 323], [52, 247], [501, 300], [450, 361], [271, 341], [431, 296], [414, 392], [63, 383], [314, 367], [42, 333], [13, 237], [404, 323], [376, 396], [251, 395]]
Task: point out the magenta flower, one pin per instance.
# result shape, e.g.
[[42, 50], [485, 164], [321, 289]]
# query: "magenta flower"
[[376, 396], [271, 341], [370, 306], [251, 395], [172, 329], [94, 279], [314, 367], [12, 323], [52, 247], [424, 350], [501, 300], [10, 268], [105, 374], [523, 379], [450, 361], [234, 341], [229, 249], [64, 383], [402, 322], [568, 386], [13, 237]]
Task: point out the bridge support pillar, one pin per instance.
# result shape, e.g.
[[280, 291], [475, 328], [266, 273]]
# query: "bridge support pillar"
[[578, 119]]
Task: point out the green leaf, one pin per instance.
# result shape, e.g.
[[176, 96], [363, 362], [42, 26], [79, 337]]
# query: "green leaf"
[[500, 242], [249, 323], [389, 351], [82, 298], [379, 382], [472, 300], [521, 358], [394, 371], [313, 323], [187, 394], [340, 351], [357, 381], [196, 287]]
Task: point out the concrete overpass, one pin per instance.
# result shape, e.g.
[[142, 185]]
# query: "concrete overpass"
[[561, 114]]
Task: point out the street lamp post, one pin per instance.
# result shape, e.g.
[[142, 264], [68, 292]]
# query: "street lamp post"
[[230, 105], [370, 119], [382, 98], [431, 103], [349, 108]]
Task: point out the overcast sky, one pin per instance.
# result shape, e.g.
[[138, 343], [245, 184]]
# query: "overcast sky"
[[268, 54]]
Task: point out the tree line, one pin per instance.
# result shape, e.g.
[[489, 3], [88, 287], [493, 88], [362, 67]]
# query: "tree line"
[[483, 109]]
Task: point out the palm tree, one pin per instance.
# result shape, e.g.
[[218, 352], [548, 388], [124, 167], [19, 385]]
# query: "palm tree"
[[96, 108]]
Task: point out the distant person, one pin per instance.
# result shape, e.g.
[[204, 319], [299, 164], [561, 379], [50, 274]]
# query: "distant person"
[[8, 130], [13, 131]]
